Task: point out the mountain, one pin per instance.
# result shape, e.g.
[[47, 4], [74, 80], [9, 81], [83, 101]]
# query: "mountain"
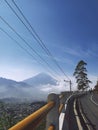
[[10, 88], [4, 81], [11, 83], [41, 79], [35, 88]]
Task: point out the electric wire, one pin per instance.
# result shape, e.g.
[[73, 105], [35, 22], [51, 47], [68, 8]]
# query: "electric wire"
[[18, 43], [41, 42], [21, 38], [24, 49], [23, 23], [26, 43], [38, 39], [35, 34]]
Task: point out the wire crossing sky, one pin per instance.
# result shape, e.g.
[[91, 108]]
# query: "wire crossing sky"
[[38, 39], [56, 33]]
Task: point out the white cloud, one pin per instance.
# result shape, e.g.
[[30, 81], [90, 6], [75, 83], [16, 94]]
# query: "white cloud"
[[94, 79], [72, 51], [61, 86], [16, 73], [80, 52], [91, 77]]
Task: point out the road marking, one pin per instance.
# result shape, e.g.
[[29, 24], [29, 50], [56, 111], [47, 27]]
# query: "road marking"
[[68, 98], [67, 101], [65, 106], [93, 100], [77, 117], [84, 118], [61, 120], [62, 115]]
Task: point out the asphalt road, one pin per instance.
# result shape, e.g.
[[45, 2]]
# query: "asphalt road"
[[70, 117], [89, 106], [91, 109], [95, 97]]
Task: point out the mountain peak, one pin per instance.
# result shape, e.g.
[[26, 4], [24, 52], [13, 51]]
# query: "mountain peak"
[[41, 79]]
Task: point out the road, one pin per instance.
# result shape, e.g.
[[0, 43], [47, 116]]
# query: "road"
[[81, 113], [90, 107]]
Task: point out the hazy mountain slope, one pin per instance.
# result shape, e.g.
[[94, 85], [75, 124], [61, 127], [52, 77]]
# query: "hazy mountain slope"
[[41, 79], [11, 83], [11, 88], [35, 88]]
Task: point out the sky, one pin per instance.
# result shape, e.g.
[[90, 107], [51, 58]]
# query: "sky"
[[69, 29]]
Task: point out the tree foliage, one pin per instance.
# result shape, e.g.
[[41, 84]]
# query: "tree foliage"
[[96, 87], [81, 76]]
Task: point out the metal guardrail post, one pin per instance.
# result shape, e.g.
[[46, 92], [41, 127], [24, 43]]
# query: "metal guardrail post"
[[53, 115], [62, 101]]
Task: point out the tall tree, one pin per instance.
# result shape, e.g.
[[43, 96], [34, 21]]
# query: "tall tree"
[[96, 87], [81, 76]]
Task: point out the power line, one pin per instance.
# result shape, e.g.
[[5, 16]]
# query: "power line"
[[28, 30], [35, 35], [18, 43], [26, 42], [23, 48], [21, 38], [24, 23], [46, 49]]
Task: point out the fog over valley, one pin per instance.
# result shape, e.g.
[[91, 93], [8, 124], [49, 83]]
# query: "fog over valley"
[[35, 88]]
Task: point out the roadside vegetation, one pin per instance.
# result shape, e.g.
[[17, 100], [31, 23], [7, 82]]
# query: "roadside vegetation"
[[11, 113], [96, 87]]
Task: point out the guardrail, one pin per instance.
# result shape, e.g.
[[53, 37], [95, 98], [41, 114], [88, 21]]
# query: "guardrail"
[[52, 110]]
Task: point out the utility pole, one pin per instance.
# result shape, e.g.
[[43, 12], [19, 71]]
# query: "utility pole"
[[70, 83]]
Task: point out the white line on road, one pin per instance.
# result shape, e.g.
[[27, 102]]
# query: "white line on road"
[[62, 115], [84, 118], [77, 117], [93, 100], [61, 120]]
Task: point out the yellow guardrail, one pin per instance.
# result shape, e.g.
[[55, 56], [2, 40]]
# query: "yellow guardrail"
[[61, 107], [52, 109], [51, 127], [62, 104], [31, 121]]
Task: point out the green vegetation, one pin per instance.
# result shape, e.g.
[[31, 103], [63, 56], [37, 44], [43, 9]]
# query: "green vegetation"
[[11, 113], [96, 87], [81, 76]]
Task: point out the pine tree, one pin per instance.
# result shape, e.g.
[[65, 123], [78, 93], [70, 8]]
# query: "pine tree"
[[81, 76], [96, 87]]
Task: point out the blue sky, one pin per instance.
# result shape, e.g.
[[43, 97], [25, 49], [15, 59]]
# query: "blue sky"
[[68, 28]]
